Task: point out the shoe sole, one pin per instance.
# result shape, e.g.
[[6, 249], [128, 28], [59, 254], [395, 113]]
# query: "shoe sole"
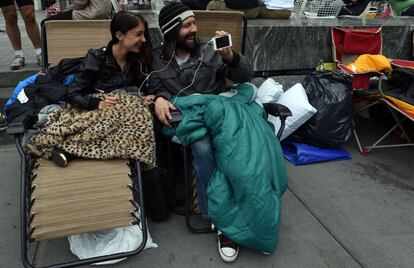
[[225, 257], [16, 68]]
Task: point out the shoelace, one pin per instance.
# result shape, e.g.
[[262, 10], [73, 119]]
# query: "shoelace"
[[225, 242]]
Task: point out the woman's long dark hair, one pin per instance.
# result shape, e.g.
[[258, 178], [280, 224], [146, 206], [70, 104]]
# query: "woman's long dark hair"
[[123, 22]]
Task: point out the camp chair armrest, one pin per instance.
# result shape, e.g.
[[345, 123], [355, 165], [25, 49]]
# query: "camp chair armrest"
[[403, 63], [20, 124], [277, 109], [280, 111]]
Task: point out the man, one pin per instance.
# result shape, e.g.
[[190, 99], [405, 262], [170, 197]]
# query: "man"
[[12, 28], [187, 66]]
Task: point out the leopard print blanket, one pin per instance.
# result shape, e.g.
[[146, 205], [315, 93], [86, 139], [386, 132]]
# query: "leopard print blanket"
[[123, 131]]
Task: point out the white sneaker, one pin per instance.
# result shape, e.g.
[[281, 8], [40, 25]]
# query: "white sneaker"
[[228, 249], [17, 63]]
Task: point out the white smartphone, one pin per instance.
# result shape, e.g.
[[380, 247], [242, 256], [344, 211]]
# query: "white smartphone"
[[222, 42]]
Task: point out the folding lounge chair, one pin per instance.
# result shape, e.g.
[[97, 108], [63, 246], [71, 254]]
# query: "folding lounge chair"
[[71, 39], [88, 195], [348, 44], [207, 23]]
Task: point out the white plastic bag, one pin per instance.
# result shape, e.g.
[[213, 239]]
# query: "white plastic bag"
[[116, 240]]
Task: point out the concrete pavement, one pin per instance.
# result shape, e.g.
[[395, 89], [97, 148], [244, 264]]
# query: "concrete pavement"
[[356, 213]]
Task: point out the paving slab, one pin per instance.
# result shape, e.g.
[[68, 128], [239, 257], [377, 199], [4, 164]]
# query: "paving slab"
[[303, 240], [366, 203], [9, 207], [303, 243]]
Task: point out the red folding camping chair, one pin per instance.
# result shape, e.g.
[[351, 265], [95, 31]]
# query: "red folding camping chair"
[[348, 44]]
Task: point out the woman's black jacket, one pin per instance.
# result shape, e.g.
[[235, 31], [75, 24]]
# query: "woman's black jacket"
[[99, 72]]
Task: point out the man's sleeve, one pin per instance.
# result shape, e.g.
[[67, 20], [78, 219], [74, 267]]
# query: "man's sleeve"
[[239, 70], [157, 88]]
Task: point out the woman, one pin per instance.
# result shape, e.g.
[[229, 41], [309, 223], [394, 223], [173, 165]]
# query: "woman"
[[118, 65], [121, 64]]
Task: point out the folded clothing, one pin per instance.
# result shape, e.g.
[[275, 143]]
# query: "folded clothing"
[[369, 63]]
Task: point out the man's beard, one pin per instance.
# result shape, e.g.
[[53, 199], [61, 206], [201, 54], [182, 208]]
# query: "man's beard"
[[182, 44]]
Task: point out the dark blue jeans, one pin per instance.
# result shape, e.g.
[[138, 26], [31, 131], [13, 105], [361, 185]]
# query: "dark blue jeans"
[[204, 166]]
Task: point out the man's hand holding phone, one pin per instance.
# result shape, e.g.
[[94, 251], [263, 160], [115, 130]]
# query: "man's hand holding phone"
[[162, 110], [222, 43]]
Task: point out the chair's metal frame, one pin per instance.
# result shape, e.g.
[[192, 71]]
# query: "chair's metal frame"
[[377, 98], [26, 167], [398, 123], [27, 164]]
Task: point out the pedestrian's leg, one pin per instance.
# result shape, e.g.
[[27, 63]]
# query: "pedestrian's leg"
[[13, 32], [12, 28], [29, 17], [32, 29]]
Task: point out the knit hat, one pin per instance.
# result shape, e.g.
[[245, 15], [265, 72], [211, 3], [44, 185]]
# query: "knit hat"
[[170, 18]]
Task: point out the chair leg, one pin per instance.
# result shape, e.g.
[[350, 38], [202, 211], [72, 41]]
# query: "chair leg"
[[363, 150], [25, 204], [398, 122], [188, 198], [358, 141], [366, 149]]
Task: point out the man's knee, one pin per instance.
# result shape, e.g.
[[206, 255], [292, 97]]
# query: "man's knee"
[[28, 14], [202, 147], [10, 15]]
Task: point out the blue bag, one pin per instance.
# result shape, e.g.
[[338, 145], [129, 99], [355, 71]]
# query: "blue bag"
[[301, 154]]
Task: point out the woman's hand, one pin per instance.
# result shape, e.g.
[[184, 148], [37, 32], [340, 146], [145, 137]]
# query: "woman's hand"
[[149, 99], [162, 110], [226, 53], [108, 102]]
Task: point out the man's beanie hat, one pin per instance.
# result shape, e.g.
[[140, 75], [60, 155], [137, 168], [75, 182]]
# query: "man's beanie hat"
[[170, 18]]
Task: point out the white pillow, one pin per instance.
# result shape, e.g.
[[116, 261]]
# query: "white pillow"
[[269, 91], [296, 100]]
